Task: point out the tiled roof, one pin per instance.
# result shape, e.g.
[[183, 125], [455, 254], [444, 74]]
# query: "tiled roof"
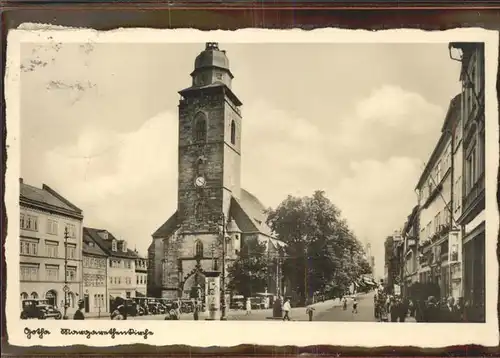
[[168, 227], [46, 196], [247, 206], [90, 247], [255, 210], [106, 245]]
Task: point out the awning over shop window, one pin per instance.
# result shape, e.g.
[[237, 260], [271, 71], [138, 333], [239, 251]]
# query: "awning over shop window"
[[139, 294]]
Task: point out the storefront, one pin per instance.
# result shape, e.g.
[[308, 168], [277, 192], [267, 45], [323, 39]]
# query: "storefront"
[[474, 275]]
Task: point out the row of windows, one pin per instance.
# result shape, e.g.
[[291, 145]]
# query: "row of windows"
[[30, 222], [117, 280], [30, 247], [31, 272], [123, 245], [442, 218], [474, 164], [93, 280], [200, 129], [94, 262], [99, 301], [141, 263], [141, 279], [120, 264]]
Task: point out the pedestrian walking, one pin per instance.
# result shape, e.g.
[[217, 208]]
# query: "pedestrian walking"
[[354, 306], [196, 308], [286, 308], [344, 304], [79, 312], [310, 312], [248, 306]]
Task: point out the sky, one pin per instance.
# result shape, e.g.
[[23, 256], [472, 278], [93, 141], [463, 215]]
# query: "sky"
[[99, 125]]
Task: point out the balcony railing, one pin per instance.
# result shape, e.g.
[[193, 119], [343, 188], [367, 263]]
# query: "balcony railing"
[[475, 193]]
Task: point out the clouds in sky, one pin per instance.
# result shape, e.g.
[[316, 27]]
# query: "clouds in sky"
[[99, 124]]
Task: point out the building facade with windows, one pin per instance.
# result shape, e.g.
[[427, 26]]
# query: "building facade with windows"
[[141, 275], [410, 253], [121, 281], [439, 236], [44, 217], [95, 267], [472, 219]]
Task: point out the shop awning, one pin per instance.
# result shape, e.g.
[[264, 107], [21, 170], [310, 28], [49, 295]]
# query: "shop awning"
[[139, 294], [369, 281]]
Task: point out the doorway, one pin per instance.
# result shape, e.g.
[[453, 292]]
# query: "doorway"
[[86, 302]]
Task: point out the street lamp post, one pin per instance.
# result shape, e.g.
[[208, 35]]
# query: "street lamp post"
[[223, 283], [66, 234]]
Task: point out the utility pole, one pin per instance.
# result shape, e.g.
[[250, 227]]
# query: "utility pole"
[[223, 285], [66, 234]]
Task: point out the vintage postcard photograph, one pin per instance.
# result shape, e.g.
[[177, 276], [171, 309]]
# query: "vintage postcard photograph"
[[214, 188]]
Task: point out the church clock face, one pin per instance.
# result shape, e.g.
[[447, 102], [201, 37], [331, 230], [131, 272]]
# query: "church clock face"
[[200, 182]]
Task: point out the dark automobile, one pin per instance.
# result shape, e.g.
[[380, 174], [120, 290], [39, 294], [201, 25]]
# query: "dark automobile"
[[41, 309], [187, 306], [256, 303], [133, 309]]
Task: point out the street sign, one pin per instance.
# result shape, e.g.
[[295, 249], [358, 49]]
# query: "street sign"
[[66, 288]]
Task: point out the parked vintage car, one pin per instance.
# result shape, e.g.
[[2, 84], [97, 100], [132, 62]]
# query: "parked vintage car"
[[257, 303], [38, 308], [237, 302]]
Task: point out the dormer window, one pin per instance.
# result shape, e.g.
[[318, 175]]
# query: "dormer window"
[[124, 246], [114, 245]]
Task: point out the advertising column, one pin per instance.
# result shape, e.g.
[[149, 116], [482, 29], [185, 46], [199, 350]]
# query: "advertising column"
[[212, 295]]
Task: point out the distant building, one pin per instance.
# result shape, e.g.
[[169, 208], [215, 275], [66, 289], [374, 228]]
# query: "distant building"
[[410, 259], [44, 217], [472, 219], [121, 281], [95, 281], [141, 275]]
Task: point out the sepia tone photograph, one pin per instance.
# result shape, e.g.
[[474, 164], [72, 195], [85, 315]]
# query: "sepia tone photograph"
[[270, 182], [166, 230]]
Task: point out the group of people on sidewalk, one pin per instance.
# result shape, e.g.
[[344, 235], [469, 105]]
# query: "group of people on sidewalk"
[[395, 308]]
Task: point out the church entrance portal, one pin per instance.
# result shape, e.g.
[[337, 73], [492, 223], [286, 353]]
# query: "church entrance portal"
[[194, 282]]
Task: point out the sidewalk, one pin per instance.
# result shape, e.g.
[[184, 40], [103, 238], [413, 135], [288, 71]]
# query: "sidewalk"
[[296, 314]]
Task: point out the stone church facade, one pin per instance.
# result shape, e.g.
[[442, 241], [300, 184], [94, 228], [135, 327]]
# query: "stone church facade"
[[189, 243]]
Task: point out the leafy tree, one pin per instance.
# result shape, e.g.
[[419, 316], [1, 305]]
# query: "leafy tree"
[[248, 274], [322, 253]]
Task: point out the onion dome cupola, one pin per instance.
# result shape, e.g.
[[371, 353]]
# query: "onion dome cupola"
[[211, 67]]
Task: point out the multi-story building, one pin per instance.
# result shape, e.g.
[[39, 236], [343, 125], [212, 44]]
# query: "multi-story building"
[[50, 231], [436, 188], [409, 252], [121, 281], [141, 275], [94, 276], [392, 266], [472, 219]]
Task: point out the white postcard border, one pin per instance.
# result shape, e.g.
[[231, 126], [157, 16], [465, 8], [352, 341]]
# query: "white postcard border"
[[230, 333]]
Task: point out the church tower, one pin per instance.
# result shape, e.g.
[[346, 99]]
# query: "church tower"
[[209, 143]]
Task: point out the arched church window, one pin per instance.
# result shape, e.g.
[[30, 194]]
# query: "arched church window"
[[233, 132], [199, 212], [199, 167], [200, 127], [199, 249]]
